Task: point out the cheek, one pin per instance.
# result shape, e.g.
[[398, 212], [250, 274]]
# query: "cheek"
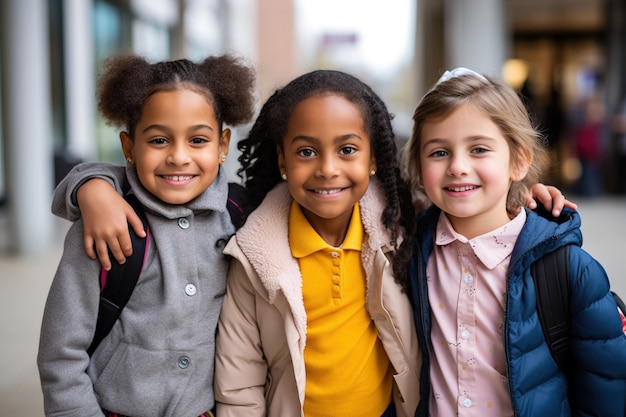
[[144, 159], [211, 164], [495, 171], [145, 172], [430, 174], [209, 156]]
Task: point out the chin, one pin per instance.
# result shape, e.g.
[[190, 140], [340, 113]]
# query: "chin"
[[176, 200]]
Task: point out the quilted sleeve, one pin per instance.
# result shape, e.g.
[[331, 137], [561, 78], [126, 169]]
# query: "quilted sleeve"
[[598, 375]]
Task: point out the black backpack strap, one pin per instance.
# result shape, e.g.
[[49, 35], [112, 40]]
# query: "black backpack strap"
[[235, 203], [552, 285], [619, 301], [120, 280]]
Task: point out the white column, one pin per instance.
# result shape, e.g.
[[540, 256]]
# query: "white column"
[[79, 79], [3, 188], [27, 131], [476, 35]]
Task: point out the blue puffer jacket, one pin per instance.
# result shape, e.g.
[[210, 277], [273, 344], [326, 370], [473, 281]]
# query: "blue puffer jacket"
[[597, 384]]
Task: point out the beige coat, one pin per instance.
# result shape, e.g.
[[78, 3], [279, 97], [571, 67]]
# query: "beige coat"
[[259, 367]]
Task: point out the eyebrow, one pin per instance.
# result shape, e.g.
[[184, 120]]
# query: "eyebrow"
[[337, 139], [474, 138], [165, 128]]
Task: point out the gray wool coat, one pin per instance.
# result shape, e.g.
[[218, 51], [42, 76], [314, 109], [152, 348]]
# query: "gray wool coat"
[[158, 359]]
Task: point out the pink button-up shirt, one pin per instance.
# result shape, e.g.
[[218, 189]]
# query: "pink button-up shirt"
[[467, 293]]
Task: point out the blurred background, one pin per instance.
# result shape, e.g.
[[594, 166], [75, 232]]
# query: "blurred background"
[[567, 58]]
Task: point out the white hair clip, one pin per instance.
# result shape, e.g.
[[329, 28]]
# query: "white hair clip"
[[457, 72]]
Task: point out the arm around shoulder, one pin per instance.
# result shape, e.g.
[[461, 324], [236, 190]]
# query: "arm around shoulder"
[[64, 201]]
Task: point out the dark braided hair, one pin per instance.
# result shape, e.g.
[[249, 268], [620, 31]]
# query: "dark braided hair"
[[259, 159], [128, 80]]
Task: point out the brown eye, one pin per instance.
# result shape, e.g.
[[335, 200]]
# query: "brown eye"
[[306, 152], [347, 150], [198, 140], [158, 141]]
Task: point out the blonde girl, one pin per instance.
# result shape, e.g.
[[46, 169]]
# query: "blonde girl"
[[474, 153]]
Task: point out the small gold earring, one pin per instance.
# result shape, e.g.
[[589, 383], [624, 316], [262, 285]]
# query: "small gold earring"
[[284, 176], [372, 173], [223, 158]]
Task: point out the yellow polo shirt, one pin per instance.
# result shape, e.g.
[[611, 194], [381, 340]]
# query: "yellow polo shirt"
[[348, 372]]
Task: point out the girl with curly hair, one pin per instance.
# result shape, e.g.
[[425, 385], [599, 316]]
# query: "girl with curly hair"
[[158, 358]]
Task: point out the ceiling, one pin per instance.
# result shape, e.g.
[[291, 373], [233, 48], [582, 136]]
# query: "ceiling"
[[533, 16]]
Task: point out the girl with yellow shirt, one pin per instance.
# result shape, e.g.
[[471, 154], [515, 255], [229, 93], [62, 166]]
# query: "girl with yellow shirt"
[[313, 322]]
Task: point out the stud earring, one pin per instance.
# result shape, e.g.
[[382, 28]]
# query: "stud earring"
[[372, 173], [223, 158], [129, 160], [283, 176]]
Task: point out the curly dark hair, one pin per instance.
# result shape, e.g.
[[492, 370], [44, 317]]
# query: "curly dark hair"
[[128, 80], [259, 159]]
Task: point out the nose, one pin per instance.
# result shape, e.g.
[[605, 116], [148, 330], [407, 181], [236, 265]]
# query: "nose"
[[178, 154], [458, 166], [328, 166]]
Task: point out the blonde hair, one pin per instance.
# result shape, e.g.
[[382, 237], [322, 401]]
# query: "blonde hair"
[[505, 109]]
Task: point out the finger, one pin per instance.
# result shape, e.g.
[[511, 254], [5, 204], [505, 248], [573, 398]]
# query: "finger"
[[543, 195], [557, 204], [116, 247], [570, 204], [103, 254], [125, 244], [136, 223], [89, 246]]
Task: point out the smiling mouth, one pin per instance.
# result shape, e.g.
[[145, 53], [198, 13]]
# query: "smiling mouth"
[[177, 178], [328, 192], [461, 189]]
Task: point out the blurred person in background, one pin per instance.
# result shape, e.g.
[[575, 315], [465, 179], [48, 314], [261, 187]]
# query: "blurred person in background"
[[619, 129], [588, 137]]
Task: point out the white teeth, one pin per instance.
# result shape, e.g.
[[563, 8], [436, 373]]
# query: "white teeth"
[[178, 177], [460, 189], [328, 191]]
